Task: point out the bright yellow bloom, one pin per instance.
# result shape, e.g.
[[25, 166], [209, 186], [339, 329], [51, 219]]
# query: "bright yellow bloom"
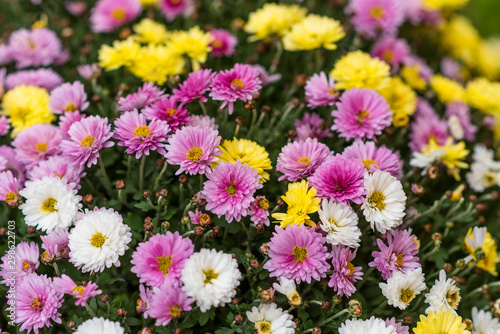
[[273, 20], [248, 152], [122, 53], [461, 39], [411, 74], [314, 32], [150, 31], [444, 4], [488, 62], [301, 202], [489, 263], [359, 69], [447, 90], [453, 154], [484, 95], [147, 3], [194, 43], [439, 323], [402, 99], [26, 106]]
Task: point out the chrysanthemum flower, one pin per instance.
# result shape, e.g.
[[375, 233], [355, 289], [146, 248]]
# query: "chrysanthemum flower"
[[9, 188], [229, 190], [195, 86], [447, 90], [203, 121], [288, 288], [271, 319], [223, 43], [345, 273], [266, 77], [372, 17], [159, 260], [340, 179], [368, 326], [248, 152], [210, 278], [444, 295], [68, 97], [98, 240], [149, 31], [239, 83], [375, 158], [174, 8], [168, 110], [320, 91], [416, 72], [89, 71], [441, 322], [12, 164], [145, 296], [459, 121], [121, 53], [479, 239], [484, 321], [309, 254], [55, 244], [314, 32], [482, 94], [144, 96], [443, 4], [361, 113], [312, 126], [425, 126], [86, 138], [25, 262], [108, 15], [37, 143], [194, 149], [340, 222], [60, 167], [402, 288], [402, 101], [50, 203], [400, 329], [391, 50], [301, 202], [4, 123], [42, 77], [67, 119], [99, 326], [259, 211], [168, 303], [193, 43], [81, 293]]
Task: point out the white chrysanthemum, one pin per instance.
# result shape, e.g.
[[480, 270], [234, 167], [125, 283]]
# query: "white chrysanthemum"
[[402, 288], [368, 326], [340, 222], [478, 237], [484, 322], [211, 278], [288, 288], [384, 207], [444, 295], [98, 240], [455, 127], [481, 177], [269, 319], [484, 156], [426, 160], [99, 326], [50, 203]]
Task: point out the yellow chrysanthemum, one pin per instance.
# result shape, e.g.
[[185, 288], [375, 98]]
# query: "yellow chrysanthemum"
[[444, 4], [147, 3], [453, 156], [488, 62], [489, 263], [314, 32], [484, 95], [273, 20], [194, 43], [461, 39], [301, 202], [248, 152], [447, 90], [150, 31], [26, 106], [358, 69], [411, 75], [122, 53], [439, 323], [402, 99]]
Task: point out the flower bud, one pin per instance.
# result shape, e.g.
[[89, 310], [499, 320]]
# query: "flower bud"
[[120, 184], [88, 199], [460, 264], [146, 330], [121, 312], [326, 305], [447, 267], [238, 318], [316, 330], [355, 308], [71, 324], [267, 296], [264, 249], [165, 225], [104, 298], [164, 193], [205, 220], [254, 264], [468, 324], [185, 220], [337, 299], [183, 179], [198, 231]]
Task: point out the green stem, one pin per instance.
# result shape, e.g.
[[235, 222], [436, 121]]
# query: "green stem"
[[252, 125], [141, 173], [203, 108], [160, 175], [277, 56], [107, 182], [56, 268], [378, 308], [89, 310]]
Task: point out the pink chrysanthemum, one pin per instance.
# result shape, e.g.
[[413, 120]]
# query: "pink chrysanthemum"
[[173, 8], [145, 95], [259, 211], [374, 157], [300, 159], [86, 138], [145, 296], [76, 8], [159, 260], [195, 216], [400, 329], [397, 255], [4, 125], [89, 71], [320, 91], [5, 55], [81, 293], [9, 188], [391, 50], [373, 17], [58, 166], [203, 121], [55, 244], [426, 125], [264, 76], [43, 78], [37, 143], [223, 43], [107, 15], [298, 253], [168, 303], [239, 83], [229, 189], [340, 179], [25, 262], [459, 113], [194, 149], [345, 273], [139, 137], [361, 113], [68, 97], [195, 86], [168, 110], [311, 126], [67, 119], [37, 303], [13, 164], [451, 68]]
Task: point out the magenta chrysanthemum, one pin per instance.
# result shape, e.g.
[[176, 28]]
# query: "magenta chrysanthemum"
[[108, 15], [361, 113], [159, 261], [140, 137], [145, 95], [400, 329], [68, 97], [223, 43], [372, 17], [9, 187], [168, 110], [43, 78], [37, 143], [194, 149], [25, 262], [340, 179], [345, 273], [81, 293], [397, 255], [145, 296], [264, 76], [168, 303], [311, 126], [230, 189], [427, 125], [259, 211], [195, 86], [173, 8], [297, 253], [239, 83], [55, 244], [67, 119], [320, 91], [58, 166], [391, 50]]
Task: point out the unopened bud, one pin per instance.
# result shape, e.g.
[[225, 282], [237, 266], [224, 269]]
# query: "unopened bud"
[[264, 249], [427, 228], [198, 231], [326, 305], [301, 80], [146, 330], [71, 324], [104, 298], [177, 331], [121, 312], [468, 324], [267, 296], [260, 227], [495, 308], [185, 220], [433, 173], [280, 202], [460, 264], [205, 220], [217, 230], [88, 199], [254, 264], [164, 193], [165, 225], [148, 226], [355, 308], [239, 121], [183, 179], [407, 320], [31, 230], [447, 267], [146, 194], [249, 105], [120, 184], [316, 330], [235, 301], [337, 299], [238, 318]]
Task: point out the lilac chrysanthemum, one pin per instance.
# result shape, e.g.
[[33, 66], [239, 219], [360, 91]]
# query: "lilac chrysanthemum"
[[400, 329], [59, 166], [397, 255], [168, 303], [140, 137], [373, 17], [424, 71], [300, 159], [145, 296], [159, 261], [374, 157], [43, 78], [108, 15], [81, 293], [86, 138], [37, 143], [320, 91], [264, 76], [203, 121], [426, 125], [259, 211], [173, 8], [229, 189], [67, 119], [391, 50], [89, 71], [68, 97], [223, 43], [55, 244], [194, 149], [145, 95], [37, 303], [361, 113], [195, 86], [340, 179], [168, 110], [25, 262], [311, 126], [9, 187], [297, 253], [345, 273], [238, 83], [459, 121], [13, 164], [4, 123]]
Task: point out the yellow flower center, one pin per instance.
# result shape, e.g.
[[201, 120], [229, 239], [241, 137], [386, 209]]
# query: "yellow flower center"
[[217, 43], [118, 14], [41, 147], [299, 254], [165, 264], [49, 205], [70, 107], [87, 141], [36, 304], [368, 163], [175, 311], [238, 83], [304, 160], [332, 91], [194, 154], [263, 327], [399, 260], [78, 289], [388, 55], [362, 116], [210, 275], [407, 296], [26, 265], [453, 297], [490, 178], [10, 196], [377, 12], [142, 131], [171, 111], [264, 204], [400, 120], [295, 299], [231, 189], [97, 240], [377, 200]]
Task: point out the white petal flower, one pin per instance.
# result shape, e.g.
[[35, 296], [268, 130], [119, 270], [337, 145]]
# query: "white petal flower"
[[99, 326], [484, 156], [211, 278], [444, 295], [288, 288], [50, 203], [368, 326], [481, 177], [478, 237], [484, 322], [269, 319], [340, 222], [402, 288], [425, 161]]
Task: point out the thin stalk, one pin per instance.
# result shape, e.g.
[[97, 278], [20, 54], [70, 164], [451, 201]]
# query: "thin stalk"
[[160, 175], [89, 310], [277, 57], [252, 125], [107, 182], [203, 108], [141, 173]]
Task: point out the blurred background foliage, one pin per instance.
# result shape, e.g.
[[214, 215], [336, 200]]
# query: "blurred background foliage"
[[485, 14]]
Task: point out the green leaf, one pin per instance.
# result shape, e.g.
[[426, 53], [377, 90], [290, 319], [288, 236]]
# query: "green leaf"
[[204, 317], [144, 206], [133, 322], [225, 330]]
